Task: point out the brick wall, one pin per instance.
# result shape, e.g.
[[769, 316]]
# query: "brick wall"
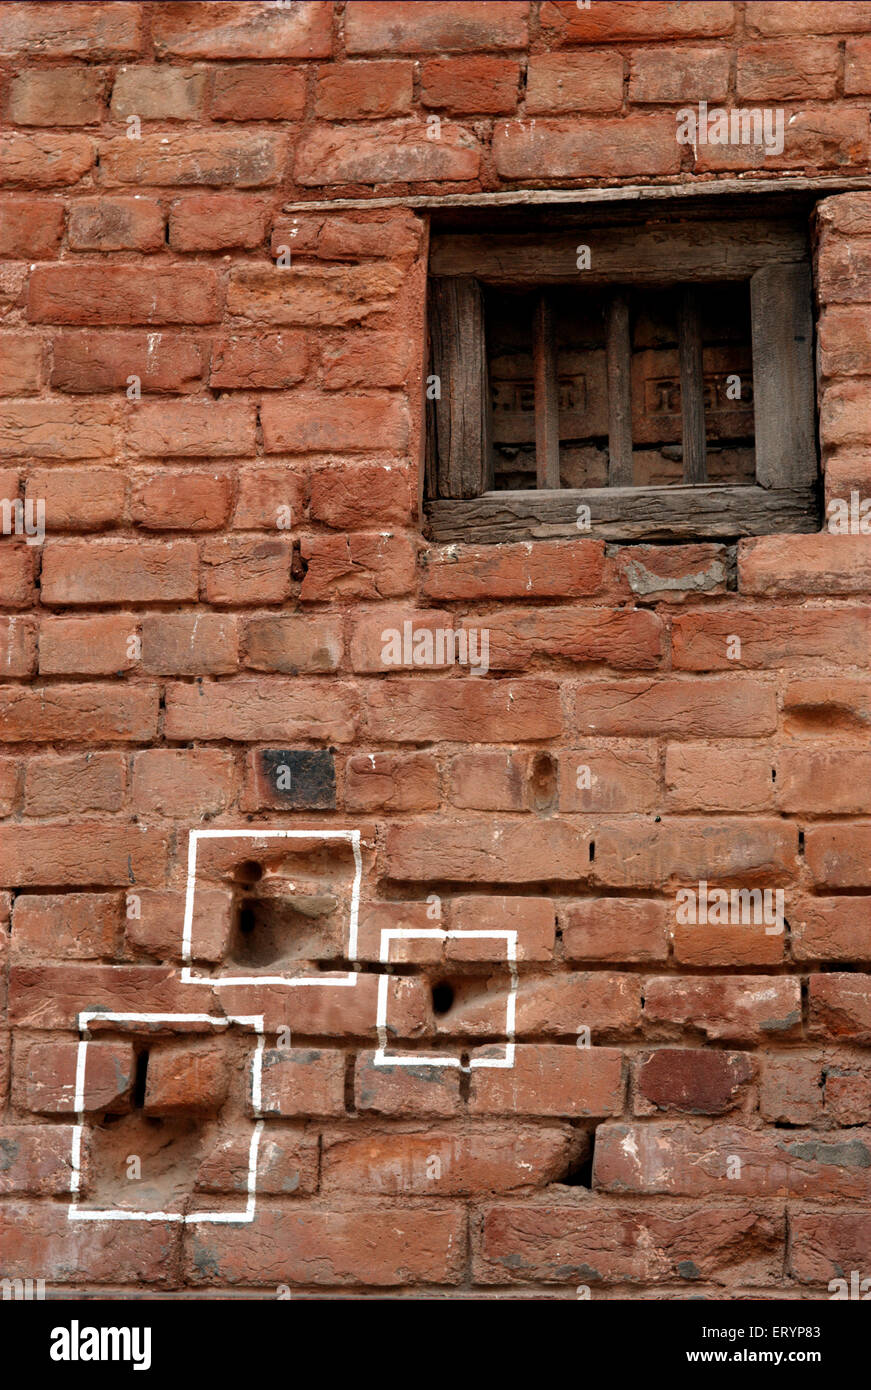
[[228, 449]]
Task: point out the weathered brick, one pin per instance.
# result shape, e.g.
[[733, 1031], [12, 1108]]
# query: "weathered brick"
[[391, 153], [293, 644], [45, 1077], [107, 294], [43, 160], [244, 31], [217, 222], [159, 93], [615, 929], [239, 93], [303, 1081], [548, 1079], [555, 149], [238, 158], [181, 784], [57, 97], [88, 362], [692, 1081], [470, 84], [71, 31], [30, 227], [77, 572], [189, 644], [242, 569], [449, 28], [730, 1008], [573, 82], [69, 926], [78, 713], [70, 785], [251, 710]]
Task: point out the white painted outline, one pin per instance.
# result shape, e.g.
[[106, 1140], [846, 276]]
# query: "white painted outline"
[[417, 1059], [321, 977], [77, 1213]]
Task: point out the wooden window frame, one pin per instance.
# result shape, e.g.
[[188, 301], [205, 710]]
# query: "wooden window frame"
[[771, 254]]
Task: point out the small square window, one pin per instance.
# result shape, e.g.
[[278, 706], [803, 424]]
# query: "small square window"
[[654, 379]]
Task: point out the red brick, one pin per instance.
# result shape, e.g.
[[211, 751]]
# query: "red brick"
[[844, 414], [272, 360], [552, 1006], [531, 918], [555, 1242], [40, 1235], [393, 233], [303, 1082], [392, 153], [719, 777], [614, 637], [179, 784], [192, 429], [830, 928], [312, 296], [349, 91], [57, 97], [90, 853], [293, 644], [36, 1158], [730, 1008], [845, 341], [675, 1159], [839, 856], [792, 1089], [451, 28], [824, 780], [58, 429], [463, 710], [48, 1085], [159, 93], [94, 646], [445, 1161], [563, 569], [553, 149], [824, 1244], [69, 926], [574, 82], [676, 75], [189, 644], [489, 781], [680, 708], [365, 359], [242, 569], [52, 996], [548, 1079], [287, 1165], [79, 499], [44, 160], [813, 17], [186, 1078], [88, 362], [106, 294], [470, 84], [743, 944], [30, 227], [304, 423], [788, 71], [269, 498], [17, 646], [772, 637], [402, 1090], [840, 1007], [612, 23], [843, 263], [857, 67], [9, 782], [17, 563], [332, 1247], [692, 1081], [120, 571], [828, 706], [624, 778], [250, 92], [391, 782], [239, 158], [244, 31], [615, 929], [72, 785], [181, 501], [71, 31], [848, 1091], [157, 931], [822, 139], [78, 713], [356, 567], [249, 711], [217, 222], [373, 633]]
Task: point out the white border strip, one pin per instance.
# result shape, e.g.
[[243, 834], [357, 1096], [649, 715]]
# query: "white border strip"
[[77, 1213], [323, 978], [418, 1059]]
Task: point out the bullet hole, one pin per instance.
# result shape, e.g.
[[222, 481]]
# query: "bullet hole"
[[544, 783], [801, 842], [578, 1171], [247, 920], [140, 1080], [774, 774], [442, 997], [249, 872], [592, 850]]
